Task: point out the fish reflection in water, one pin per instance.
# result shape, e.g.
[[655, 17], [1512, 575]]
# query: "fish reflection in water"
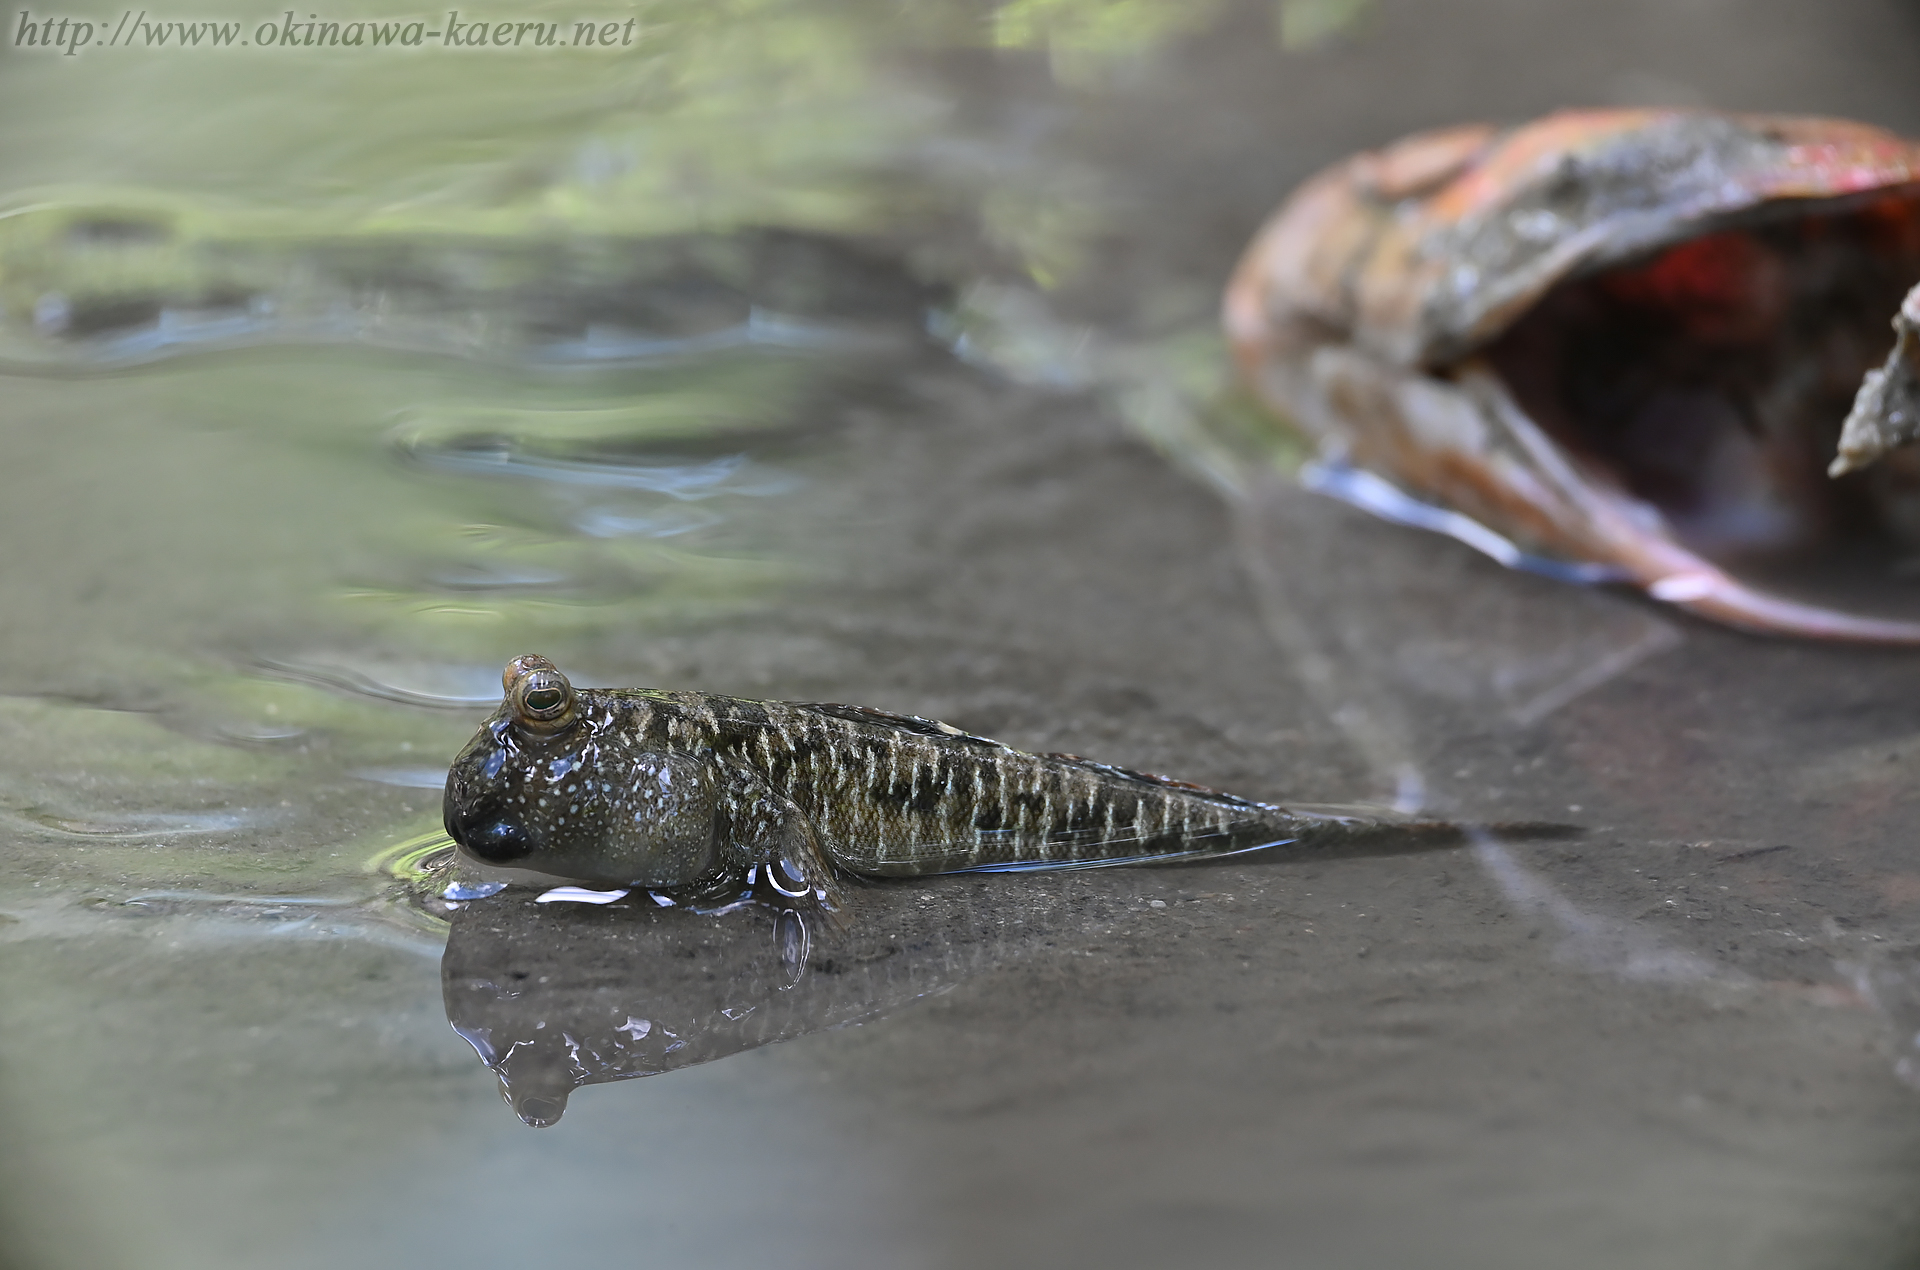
[[553, 996]]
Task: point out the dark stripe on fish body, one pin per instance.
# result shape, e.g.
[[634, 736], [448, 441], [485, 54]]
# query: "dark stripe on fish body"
[[928, 789]]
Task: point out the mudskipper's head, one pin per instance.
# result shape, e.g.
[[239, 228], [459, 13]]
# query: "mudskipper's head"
[[560, 781]]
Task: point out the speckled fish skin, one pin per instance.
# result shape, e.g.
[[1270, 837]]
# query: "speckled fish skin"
[[679, 788], [894, 795]]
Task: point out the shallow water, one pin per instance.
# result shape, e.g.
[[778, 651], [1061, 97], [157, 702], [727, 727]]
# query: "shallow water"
[[827, 354]]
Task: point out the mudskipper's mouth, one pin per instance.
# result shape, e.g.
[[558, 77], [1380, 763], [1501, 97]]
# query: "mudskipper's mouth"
[[487, 828]]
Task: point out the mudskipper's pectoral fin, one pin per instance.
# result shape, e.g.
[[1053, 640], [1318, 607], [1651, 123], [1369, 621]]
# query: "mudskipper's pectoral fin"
[[776, 841]]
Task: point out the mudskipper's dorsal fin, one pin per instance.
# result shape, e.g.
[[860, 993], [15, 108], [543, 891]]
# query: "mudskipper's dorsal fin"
[[911, 723]]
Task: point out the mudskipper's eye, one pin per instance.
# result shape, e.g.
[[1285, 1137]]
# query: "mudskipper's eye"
[[540, 697]]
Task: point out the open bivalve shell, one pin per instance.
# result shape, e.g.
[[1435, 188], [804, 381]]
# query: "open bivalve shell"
[[1616, 345]]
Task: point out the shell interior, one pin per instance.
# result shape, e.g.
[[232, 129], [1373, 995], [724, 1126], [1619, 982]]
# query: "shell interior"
[[1710, 379]]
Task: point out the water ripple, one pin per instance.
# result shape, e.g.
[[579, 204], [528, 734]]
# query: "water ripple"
[[603, 344], [143, 824], [404, 777], [432, 687], [605, 522], [513, 457]]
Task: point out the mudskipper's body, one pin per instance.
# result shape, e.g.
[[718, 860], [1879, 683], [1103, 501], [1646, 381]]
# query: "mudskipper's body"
[[676, 789]]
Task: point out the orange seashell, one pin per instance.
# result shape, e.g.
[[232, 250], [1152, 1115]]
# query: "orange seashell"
[[1611, 345]]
